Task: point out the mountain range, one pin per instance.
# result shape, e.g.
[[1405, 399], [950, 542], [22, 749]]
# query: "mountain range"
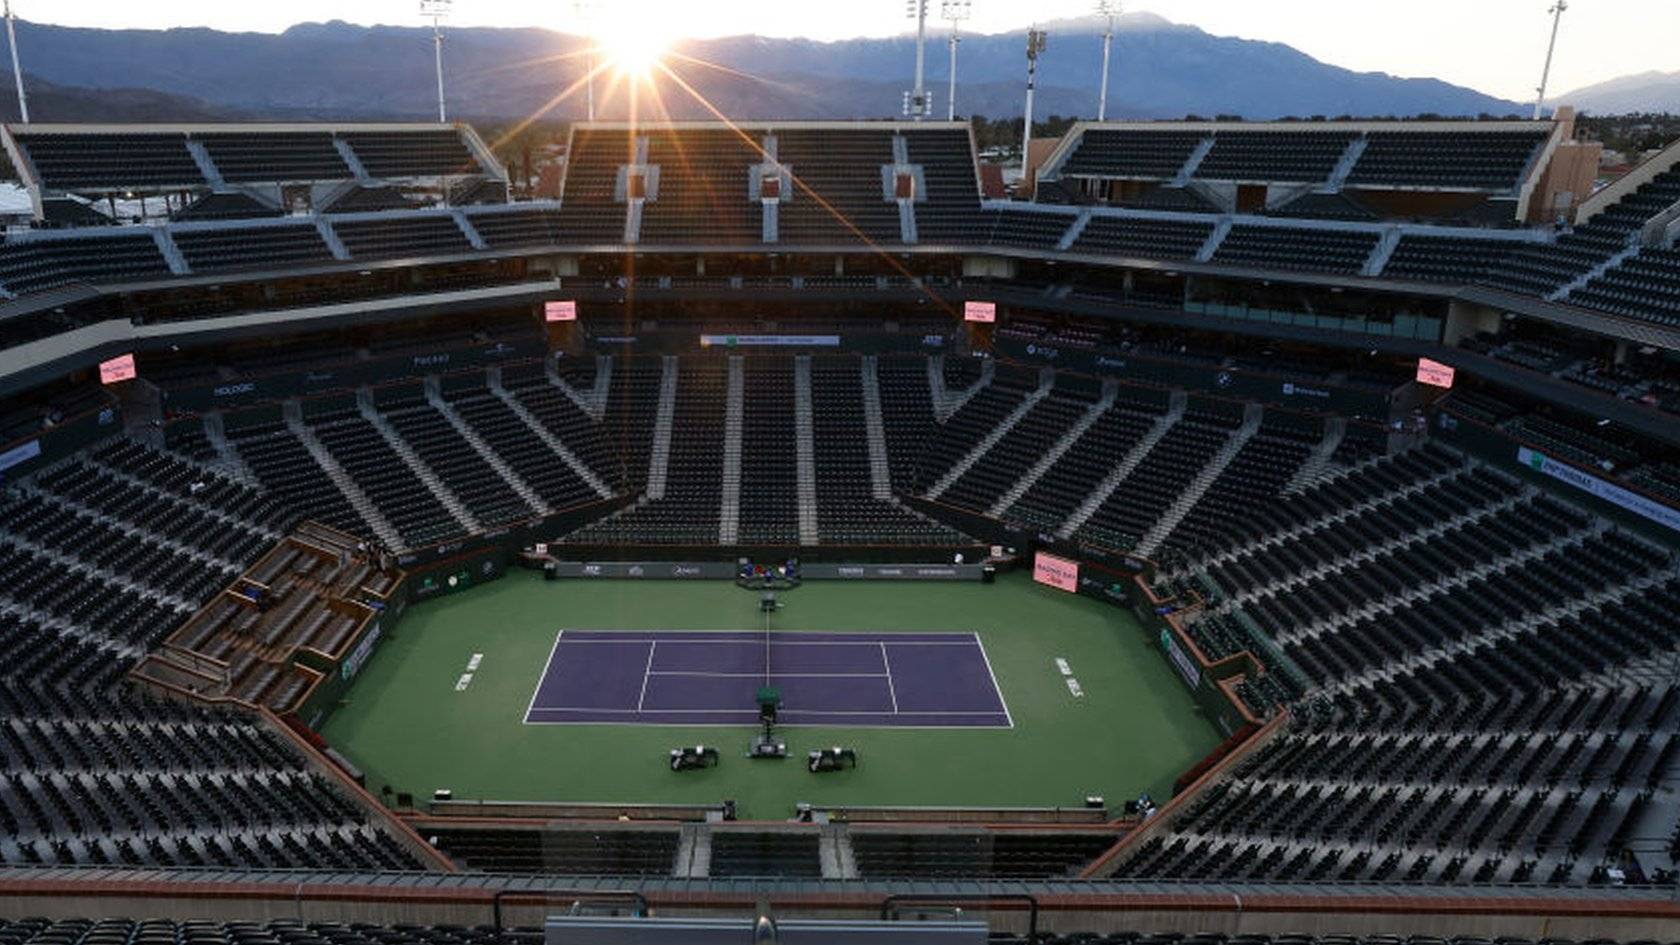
[[1630, 94], [342, 71]]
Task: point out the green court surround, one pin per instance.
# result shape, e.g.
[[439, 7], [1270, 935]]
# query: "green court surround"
[[1135, 728]]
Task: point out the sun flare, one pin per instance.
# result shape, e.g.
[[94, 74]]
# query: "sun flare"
[[631, 45]]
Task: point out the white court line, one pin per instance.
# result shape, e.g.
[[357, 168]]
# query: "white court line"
[[779, 675], [891, 689], [995, 687], [647, 673], [576, 642], [974, 640], [747, 711], [547, 664]]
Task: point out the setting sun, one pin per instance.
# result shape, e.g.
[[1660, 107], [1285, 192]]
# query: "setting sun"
[[631, 45]]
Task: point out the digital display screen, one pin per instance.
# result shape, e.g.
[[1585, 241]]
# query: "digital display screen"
[[985, 312], [560, 311], [1059, 573], [118, 369], [1434, 373]]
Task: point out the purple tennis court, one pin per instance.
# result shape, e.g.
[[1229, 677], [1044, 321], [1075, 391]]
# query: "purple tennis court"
[[935, 680]]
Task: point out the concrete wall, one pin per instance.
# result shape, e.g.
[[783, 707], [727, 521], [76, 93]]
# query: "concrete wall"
[[1566, 182], [1229, 912]]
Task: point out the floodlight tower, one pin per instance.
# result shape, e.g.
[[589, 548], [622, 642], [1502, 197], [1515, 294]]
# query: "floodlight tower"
[[1109, 10], [954, 12], [1556, 11], [584, 10], [918, 11], [17, 71], [1035, 44], [437, 10]]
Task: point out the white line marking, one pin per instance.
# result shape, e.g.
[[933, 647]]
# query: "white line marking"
[[891, 689], [647, 673], [754, 711], [576, 642], [777, 675], [974, 640], [877, 727], [995, 687], [542, 676]]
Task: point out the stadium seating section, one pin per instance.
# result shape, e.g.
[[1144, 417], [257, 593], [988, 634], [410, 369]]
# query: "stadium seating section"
[[1307, 153], [1445, 159], [697, 183], [1472, 672], [118, 162], [110, 553]]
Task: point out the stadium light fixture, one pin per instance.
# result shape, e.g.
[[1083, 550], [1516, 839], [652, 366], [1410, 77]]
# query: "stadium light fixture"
[[437, 10], [918, 10], [954, 12], [1557, 11], [1036, 40], [1110, 11], [17, 71]]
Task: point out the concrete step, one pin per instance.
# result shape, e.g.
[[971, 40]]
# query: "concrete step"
[[659, 454], [805, 451], [729, 508], [880, 466]]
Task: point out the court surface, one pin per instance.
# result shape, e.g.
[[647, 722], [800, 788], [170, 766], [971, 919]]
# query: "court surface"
[[443, 702], [930, 680]]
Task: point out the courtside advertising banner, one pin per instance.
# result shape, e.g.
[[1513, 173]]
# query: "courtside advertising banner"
[[1059, 573], [118, 369]]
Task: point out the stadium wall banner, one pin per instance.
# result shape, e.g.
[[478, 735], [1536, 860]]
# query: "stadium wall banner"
[[1187, 668], [725, 571], [683, 342], [281, 385], [769, 341], [23, 456], [892, 572], [1264, 387], [20, 454], [458, 574], [337, 676], [359, 656], [117, 369], [649, 570], [1600, 489], [1434, 373], [1059, 573]]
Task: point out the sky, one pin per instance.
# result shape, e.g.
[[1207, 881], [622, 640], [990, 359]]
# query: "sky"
[[1495, 46]]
